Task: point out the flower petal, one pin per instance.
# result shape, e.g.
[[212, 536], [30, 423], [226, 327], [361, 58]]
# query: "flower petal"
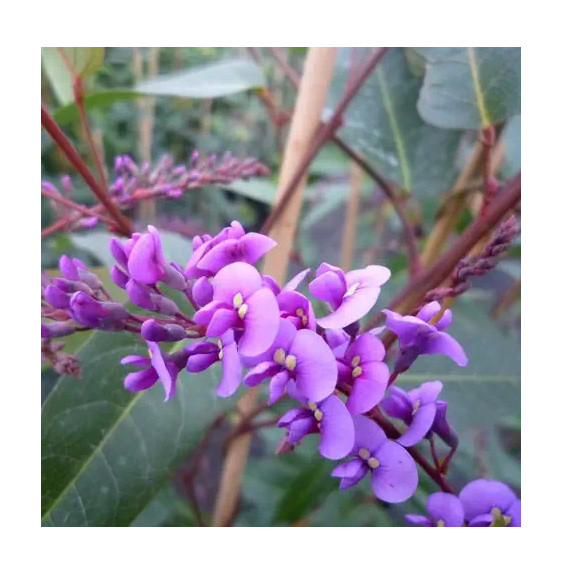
[[294, 282], [396, 478], [337, 429], [428, 311], [146, 260], [262, 371], [232, 371], [351, 472], [201, 361], [368, 435], [236, 278], [222, 320], [278, 385], [368, 391], [140, 380], [419, 520], [329, 287], [482, 495], [445, 344], [397, 404], [261, 322], [446, 507], [420, 424]]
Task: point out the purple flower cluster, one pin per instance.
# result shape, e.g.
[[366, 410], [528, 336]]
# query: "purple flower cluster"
[[260, 332]]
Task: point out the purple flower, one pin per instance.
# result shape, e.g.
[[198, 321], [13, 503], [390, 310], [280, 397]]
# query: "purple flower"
[[417, 408], [445, 510], [299, 361], [297, 308], [75, 270], [362, 368], [441, 426], [145, 297], [350, 295], [86, 310], [394, 477], [205, 353], [151, 330], [418, 337], [157, 366], [330, 418], [490, 503], [240, 302]]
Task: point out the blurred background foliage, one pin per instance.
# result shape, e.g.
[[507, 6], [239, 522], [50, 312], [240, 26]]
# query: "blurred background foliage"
[[136, 461]]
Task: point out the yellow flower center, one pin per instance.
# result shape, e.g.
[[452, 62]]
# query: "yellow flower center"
[[440, 523], [352, 289], [373, 462], [318, 414], [242, 310], [356, 361], [364, 453], [416, 406], [357, 371], [279, 356], [291, 362]]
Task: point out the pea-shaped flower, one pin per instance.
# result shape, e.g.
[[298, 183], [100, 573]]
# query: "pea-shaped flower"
[[445, 510], [489, 503]]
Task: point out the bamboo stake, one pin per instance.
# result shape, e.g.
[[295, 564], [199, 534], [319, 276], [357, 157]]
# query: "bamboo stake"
[[350, 224], [313, 90]]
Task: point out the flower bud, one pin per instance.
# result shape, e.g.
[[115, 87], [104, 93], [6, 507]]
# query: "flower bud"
[[57, 329], [153, 331], [57, 297]]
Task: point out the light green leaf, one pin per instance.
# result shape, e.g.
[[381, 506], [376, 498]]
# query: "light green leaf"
[[383, 124], [83, 61], [105, 451], [214, 80], [468, 88], [92, 101], [511, 136]]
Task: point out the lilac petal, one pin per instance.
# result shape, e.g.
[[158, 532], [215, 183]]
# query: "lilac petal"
[[292, 415], [254, 246], [261, 322], [140, 380], [291, 301], [316, 371], [329, 287], [445, 320], [419, 520], [202, 291], [201, 361], [284, 338], [337, 340], [269, 281], [201, 347], [482, 495], [428, 311], [222, 320], [368, 347], [262, 371], [445, 344], [146, 260], [368, 391], [238, 278], [68, 268], [368, 435], [278, 385], [300, 428], [441, 426], [426, 393], [396, 478], [135, 360], [232, 371], [57, 297], [337, 429], [351, 472], [407, 327], [515, 514], [446, 507], [484, 520], [166, 372], [372, 276], [219, 256], [295, 281], [397, 404], [206, 313], [420, 424], [139, 294]]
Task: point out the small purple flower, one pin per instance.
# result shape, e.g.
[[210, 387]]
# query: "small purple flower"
[[205, 353], [145, 297], [330, 418], [489, 503], [350, 295], [394, 476], [297, 308], [75, 270], [157, 366], [241, 302], [441, 426], [57, 329], [417, 336], [363, 369], [151, 330], [417, 408], [87, 311], [445, 510], [299, 361]]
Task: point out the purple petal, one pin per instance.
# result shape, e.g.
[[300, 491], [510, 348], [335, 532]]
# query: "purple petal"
[[146, 260], [300, 428], [480, 496], [407, 327], [135, 360], [261, 322], [329, 287], [205, 314], [269, 281], [292, 415], [484, 520], [445, 320], [367, 347], [284, 338], [238, 278], [221, 255], [222, 320], [291, 301], [232, 371], [351, 472], [396, 478], [278, 385], [515, 514], [368, 389], [337, 429], [374, 276], [262, 371], [140, 380], [419, 520], [428, 311], [368, 435], [201, 361], [397, 404], [426, 393], [445, 344], [294, 282], [202, 291], [316, 371], [254, 246], [420, 424], [446, 507]]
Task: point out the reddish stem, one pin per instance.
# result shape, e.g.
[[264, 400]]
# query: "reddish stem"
[[78, 207]]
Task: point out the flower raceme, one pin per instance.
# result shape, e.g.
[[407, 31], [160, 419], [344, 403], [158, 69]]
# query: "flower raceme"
[[261, 332]]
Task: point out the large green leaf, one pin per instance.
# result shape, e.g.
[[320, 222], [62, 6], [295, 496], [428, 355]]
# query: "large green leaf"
[[214, 80], [83, 61], [383, 124], [92, 101], [467, 88], [105, 451]]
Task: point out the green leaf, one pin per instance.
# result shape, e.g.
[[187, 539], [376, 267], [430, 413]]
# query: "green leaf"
[[105, 451], [511, 136], [383, 124], [83, 61], [468, 88], [92, 101], [214, 80]]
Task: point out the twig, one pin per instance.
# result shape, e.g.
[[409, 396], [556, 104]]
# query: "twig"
[[123, 224], [78, 207]]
